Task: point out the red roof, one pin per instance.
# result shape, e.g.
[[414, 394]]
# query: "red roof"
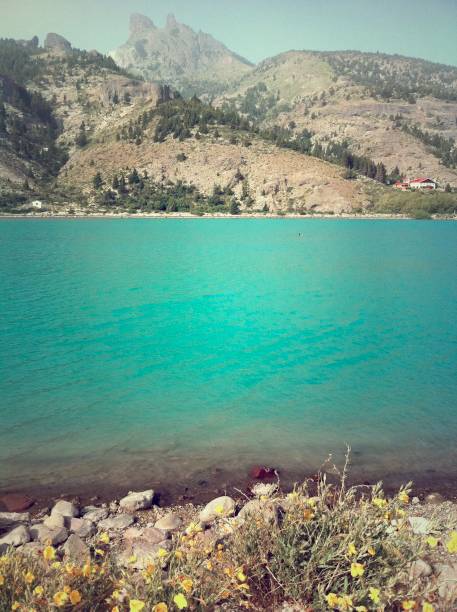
[[422, 180]]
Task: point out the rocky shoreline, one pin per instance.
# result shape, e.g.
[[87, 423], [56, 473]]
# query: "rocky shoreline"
[[138, 532]]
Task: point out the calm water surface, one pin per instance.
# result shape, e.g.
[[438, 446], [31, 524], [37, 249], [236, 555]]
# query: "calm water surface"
[[153, 351]]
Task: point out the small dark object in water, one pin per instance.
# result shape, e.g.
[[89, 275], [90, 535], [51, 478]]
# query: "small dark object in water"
[[263, 473]]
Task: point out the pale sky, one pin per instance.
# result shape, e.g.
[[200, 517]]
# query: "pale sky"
[[253, 28]]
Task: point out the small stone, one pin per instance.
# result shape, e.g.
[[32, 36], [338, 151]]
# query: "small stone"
[[415, 501], [419, 569], [120, 521], [169, 522], [217, 508], [76, 549], [114, 506], [16, 502], [16, 537], [65, 508], [264, 489], [434, 499], [419, 525], [43, 534], [259, 472], [137, 501], [91, 513], [82, 527], [8, 519], [447, 582]]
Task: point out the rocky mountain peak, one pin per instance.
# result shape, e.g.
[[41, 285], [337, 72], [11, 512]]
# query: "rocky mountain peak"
[[140, 23], [57, 43], [171, 21]]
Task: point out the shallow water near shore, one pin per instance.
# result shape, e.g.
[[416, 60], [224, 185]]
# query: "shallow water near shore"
[[159, 351]]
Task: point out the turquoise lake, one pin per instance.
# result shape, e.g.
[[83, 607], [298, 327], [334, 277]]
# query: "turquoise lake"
[[158, 351]]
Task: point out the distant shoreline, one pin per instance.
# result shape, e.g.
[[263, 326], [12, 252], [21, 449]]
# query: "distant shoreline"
[[345, 216]]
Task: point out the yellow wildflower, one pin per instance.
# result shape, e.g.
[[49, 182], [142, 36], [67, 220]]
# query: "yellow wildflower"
[[432, 541], [115, 609], [371, 551], [162, 553], [56, 565], [132, 558], [379, 502], [86, 570], [357, 569], [99, 552], [49, 553], [67, 589], [180, 601], [38, 591], [427, 607], [179, 554], [187, 585], [60, 598], [219, 509], [104, 537], [75, 597], [351, 549], [136, 605], [408, 604], [452, 543], [345, 602], [29, 577], [374, 595], [403, 497], [209, 565], [2, 580], [308, 514], [160, 607], [16, 605], [332, 600], [241, 576], [150, 567], [361, 609]]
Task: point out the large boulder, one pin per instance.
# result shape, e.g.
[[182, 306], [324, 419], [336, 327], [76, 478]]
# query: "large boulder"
[[94, 514], [45, 535], [8, 519], [16, 537], [55, 521], [82, 527], [141, 500], [75, 549], [65, 508], [220, 507], [120, 521]]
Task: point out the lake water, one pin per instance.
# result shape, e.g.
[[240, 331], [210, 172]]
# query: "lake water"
[[159, 351]]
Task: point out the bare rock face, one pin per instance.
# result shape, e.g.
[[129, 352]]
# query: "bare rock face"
[[140, 23], [56, 43]]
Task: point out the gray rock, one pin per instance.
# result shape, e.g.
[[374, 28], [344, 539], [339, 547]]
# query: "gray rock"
[[95, 514], [55, 42], [419, 569], [75, 549], [16, 537], [138, 553], [8, 519], [447, 582], [256, 508], [434, 498], [217, 508], [120, 521], [82, 527], [264, 489], [420, 525], [31, 548], [415, 501], [45, 535], [141, 500], [169, 522], [65, 508], [55, 521]]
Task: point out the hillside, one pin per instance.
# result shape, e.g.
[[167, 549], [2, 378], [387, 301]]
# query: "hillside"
[[192, 62], [398, 111]]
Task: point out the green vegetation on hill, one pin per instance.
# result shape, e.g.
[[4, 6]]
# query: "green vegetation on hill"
[[417, 205]]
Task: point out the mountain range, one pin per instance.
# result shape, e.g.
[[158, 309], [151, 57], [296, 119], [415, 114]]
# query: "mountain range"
[[302, 131]]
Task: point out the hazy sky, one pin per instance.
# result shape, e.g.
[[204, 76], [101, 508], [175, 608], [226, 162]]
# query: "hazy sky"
[[253, 28]]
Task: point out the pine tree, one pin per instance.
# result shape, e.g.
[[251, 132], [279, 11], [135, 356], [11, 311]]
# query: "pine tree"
[[115, 183], [81, 138], [97, 181], [133, 177]]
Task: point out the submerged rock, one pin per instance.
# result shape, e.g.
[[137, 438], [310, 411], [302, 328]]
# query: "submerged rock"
[[141, 500], [16, 502], [259, 472], [217, 508]]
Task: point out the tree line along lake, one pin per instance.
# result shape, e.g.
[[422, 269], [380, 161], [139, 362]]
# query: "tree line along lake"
[[174, 351]]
